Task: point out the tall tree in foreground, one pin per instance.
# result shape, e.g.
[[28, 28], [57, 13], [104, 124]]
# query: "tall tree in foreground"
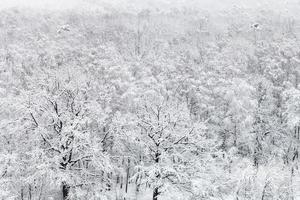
[[170, 143], [61, 120]]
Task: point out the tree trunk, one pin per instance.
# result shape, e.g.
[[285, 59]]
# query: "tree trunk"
[[155, 193], [22, 194], [121, 182], [292, 184], [65, 190], [29, 192], [127, 176], [118, 179]]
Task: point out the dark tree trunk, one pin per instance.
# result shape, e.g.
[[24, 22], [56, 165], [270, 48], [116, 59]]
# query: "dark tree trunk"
[[29, 192], [65, 190], [22, 194], [127, 176], [109, 176], [155, 193], [118, 179], [137, 183], [121, 182]]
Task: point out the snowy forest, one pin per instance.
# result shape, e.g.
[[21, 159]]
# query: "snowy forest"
[[162, 102]]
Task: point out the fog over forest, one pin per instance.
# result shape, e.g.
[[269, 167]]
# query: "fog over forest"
[[149, 100]]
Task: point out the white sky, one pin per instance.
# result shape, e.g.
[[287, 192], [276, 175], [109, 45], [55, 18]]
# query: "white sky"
[[42, 4], [291, 6]]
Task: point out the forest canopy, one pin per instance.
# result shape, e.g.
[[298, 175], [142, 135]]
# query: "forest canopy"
[[141, 101]]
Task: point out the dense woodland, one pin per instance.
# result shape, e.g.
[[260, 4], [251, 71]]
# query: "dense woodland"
[[152, 105]]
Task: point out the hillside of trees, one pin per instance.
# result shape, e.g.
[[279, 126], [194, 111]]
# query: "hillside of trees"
[[176, 105]]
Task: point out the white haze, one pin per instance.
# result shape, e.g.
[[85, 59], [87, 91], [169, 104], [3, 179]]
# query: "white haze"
[[290, 7]]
